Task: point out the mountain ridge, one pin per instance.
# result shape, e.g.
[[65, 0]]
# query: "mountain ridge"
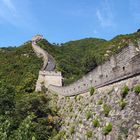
[[85, 54], [32, 115]]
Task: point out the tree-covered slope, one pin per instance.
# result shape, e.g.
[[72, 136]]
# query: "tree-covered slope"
[[19, 65], [76, 58], [24, 114]]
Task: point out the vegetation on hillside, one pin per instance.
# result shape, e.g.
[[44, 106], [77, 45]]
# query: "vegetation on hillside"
[[19, 65], [76, 58], [24, 114]]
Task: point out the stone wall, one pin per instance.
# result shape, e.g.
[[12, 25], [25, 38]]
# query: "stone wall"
[[85, 117], [47, 78], [124, 64], [37, 38], [40, 53]]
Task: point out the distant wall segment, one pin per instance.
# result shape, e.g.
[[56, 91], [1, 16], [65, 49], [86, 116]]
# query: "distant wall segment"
[[47, 75], [39, 51]]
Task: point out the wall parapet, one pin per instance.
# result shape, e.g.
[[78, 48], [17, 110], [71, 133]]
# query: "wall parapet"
[[50, 73], [122, 65]]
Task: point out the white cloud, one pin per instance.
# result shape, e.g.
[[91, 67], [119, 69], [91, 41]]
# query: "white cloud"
[[17, 13], [105, 15], [104, 19], [9, 13], [9, 4]]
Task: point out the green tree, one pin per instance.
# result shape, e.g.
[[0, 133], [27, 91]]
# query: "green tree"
[[7, 95]]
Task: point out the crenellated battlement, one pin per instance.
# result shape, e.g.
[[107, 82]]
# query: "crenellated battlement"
[[50, 73], [122, 65], [47, 78], [37, 38]]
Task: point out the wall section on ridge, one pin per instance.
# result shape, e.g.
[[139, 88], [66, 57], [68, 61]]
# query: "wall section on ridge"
[[122, 65], [47, 75]]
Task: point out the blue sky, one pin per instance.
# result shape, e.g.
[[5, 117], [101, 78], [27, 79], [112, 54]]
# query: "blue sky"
[[64, 20]]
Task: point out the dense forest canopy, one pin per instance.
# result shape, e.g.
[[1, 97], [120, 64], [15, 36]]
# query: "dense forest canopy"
[[24, 114]]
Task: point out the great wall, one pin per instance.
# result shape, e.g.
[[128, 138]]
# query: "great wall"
[[105, 115], [122, 65]]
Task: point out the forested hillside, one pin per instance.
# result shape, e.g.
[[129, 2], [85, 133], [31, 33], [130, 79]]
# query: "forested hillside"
[[19, 64], [24, 114], [76, 58]]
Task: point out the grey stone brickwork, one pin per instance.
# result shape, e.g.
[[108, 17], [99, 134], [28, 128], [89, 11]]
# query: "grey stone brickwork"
[[80, 112], [49, 62], [47, 75], [122, 65]]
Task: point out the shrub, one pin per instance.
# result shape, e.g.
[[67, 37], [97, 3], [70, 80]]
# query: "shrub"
[[89, 134], [92, 90], [100, 101], [62, 133], [88, 115], [7, 98], [79, 109], [124, 92], [72, 129], [124, 131], [106, 109], [137, 89], [96, 123], [94, 113], [67, 98], [138, 30], [79, 97], [110, 91], [59, 136], [71, 109], [107, 129], [75, 97], [25, 129], [120, 137], [80, 121], [122, 103]]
